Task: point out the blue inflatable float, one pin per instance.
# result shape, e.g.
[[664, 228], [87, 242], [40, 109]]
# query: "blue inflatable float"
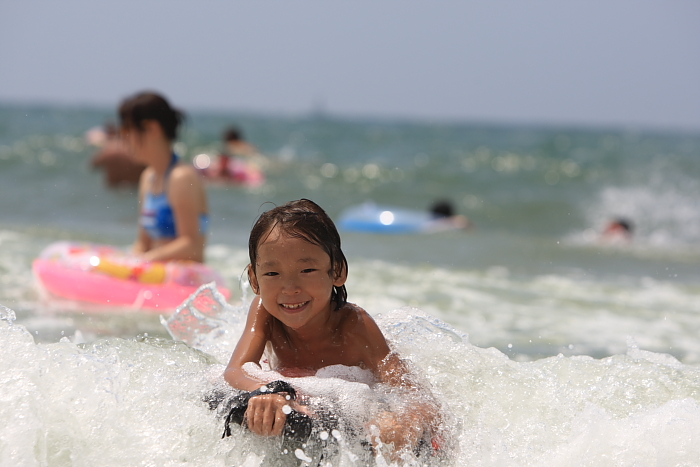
[[372, 218]]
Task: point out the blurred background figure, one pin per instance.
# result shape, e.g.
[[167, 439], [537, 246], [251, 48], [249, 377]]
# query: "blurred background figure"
[[618, 229], [443, 211], [114, 158], [173, 220], [97, 135], [369, 217], [239, 162]]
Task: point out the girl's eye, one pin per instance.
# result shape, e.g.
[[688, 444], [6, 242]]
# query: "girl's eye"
[[308, 270], [271, 273]]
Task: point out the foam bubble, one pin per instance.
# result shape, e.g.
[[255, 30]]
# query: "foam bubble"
[[301, 455]]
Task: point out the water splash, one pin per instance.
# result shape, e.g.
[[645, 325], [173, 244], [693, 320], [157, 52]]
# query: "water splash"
[[7, 314]]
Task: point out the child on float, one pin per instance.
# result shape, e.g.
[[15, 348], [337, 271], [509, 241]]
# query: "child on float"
[[298, 271], [172, 201], [239, 161]]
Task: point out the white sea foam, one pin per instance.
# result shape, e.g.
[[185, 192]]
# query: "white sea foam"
[[138, 402], [664, 215], [540, 315]]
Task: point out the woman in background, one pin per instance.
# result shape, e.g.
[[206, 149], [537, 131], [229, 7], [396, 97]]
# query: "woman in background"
[[172, 201]]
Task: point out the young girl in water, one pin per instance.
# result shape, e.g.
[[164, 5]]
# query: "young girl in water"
[[298, 271], [173, 206]]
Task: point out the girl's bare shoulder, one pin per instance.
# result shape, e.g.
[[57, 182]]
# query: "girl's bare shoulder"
[[183, 173], [357, 321], [353, 315]]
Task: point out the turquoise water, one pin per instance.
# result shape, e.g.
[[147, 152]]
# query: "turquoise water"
[[531, 289]]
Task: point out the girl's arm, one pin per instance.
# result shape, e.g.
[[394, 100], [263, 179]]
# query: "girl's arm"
[[250, 348], [187, 200], [143, 241], [420, 415], [265, 414]]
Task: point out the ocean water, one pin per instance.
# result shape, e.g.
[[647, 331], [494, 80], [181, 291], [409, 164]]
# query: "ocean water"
[[545, 345]]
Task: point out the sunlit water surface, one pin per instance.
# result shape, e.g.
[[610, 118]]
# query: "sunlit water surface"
[[545, 345]]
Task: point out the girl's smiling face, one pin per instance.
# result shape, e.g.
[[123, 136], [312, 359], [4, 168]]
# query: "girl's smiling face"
[[294, 280]]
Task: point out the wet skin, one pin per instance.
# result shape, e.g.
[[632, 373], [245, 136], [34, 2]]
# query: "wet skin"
[[294, 314]]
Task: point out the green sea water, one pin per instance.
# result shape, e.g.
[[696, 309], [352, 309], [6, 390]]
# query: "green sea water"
[[536, 196], [546, 345]]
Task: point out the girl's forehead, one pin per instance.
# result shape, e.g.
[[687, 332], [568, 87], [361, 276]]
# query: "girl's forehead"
[[278, 241], [277, 235], [274, 235]]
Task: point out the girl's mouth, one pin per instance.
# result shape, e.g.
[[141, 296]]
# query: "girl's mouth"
[[293, 306]]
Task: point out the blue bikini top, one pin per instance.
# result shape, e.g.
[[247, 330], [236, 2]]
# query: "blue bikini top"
[[157, 216]]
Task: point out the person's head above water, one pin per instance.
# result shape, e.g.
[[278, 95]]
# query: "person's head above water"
[[624, 224], [306, 220], [232, 133], [150, 106], [442, 208], [619, 226]]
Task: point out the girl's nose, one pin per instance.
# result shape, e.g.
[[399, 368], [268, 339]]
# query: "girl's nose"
[[291, 286]]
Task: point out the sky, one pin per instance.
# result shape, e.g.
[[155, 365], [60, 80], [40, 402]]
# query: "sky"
[[633, 63]]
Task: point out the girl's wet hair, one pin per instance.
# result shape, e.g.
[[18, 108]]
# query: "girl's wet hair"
[[306, 220], [134, 110]]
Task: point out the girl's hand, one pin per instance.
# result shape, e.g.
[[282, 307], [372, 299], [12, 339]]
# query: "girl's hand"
[[401, 430], [266, 414]]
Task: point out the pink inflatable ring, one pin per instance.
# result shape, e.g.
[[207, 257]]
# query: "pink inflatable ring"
[[102, 274]]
